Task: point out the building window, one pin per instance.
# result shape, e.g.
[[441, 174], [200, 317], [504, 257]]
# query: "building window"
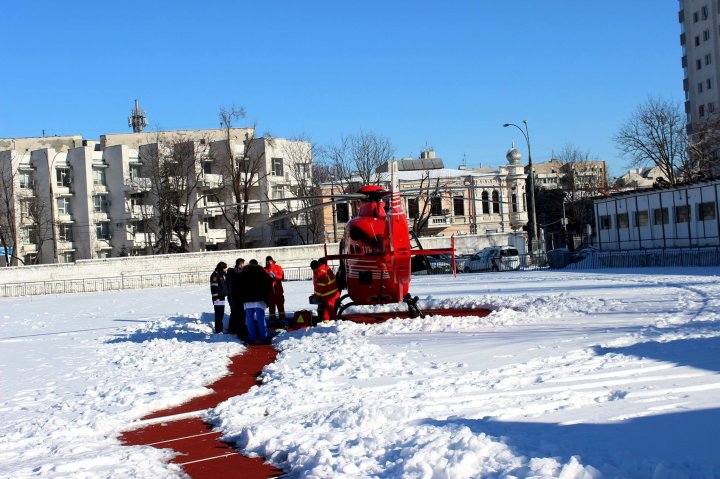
[[698, 64], [102, 230], [708, 84], [413, 210], [342, 212], [26, 179], [100, 204], [278, 192], [103, 253], [704, 11], [708, 59], [459, 206], [496, 202], [700, 87], [30, 235], [641, 218], [682, 214], [706, 35], [661, 216], [277, 167], [134, 172], [65, 232], [697, 41], [623, 221], [99, 177], [62, 176], [435, 206], [701, 111], [485, 203], [67, 257], [706, 211], [63, 206], [605, 222], [696, 17], [207, 168]]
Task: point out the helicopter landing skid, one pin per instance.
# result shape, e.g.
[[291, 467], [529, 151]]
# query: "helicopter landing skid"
[[412, 306]]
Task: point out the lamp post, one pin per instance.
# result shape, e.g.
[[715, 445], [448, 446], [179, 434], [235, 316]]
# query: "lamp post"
[[334, 214], [526, 135]]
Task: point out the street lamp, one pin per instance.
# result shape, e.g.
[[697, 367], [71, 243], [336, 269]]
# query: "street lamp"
[[532, 179], [334, 213]]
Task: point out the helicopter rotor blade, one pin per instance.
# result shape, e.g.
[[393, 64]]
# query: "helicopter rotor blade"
[[336, 198], [290, 214]]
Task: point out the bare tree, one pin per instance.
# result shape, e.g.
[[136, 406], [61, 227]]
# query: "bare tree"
[[429, 190], [703, 148], [306, 187], [241, 165], [8, 222], [358, 157], [174, 164], [655, 135], [36, 226], [583, 178]]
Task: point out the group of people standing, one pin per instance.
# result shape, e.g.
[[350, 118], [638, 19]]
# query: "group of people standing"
[[248, 289]]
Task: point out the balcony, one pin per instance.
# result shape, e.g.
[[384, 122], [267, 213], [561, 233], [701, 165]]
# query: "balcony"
[[142, 211], [99, 189], [138, 185], [29, 248], [98, 217], [518, 219], [63, 217], [212, 180], [439, 222], [213, 236]]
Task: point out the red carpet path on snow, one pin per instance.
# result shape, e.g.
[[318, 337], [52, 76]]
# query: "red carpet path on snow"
[[198, 449]]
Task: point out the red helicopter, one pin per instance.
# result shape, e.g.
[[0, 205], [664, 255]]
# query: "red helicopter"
[[375, 253]]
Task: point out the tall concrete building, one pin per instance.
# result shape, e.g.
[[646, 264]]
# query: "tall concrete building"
[[700, 40], [65, 198]]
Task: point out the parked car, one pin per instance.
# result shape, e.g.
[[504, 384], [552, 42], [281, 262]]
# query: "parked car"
[[493, 258]]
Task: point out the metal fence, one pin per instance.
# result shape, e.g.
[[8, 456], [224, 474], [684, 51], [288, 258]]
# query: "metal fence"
[[681, 257], [114, 283], [678, 257]]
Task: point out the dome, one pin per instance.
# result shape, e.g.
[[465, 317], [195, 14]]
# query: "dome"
[[513, 155]]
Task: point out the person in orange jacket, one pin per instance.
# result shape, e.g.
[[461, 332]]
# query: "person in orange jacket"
[[277, 293], [325, 289]]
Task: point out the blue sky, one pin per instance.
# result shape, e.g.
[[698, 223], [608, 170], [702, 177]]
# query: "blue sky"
[[422, 73]]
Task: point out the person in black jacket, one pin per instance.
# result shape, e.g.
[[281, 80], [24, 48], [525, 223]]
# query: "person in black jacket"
[[255, 285], [219, 291], [237, 309]]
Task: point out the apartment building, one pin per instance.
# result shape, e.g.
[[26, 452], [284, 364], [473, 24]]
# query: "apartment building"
[[581, 175], [442, 201], [700, 40], [64, 199]]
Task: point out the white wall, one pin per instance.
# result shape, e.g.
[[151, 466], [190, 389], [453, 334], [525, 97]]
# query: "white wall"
[[205, 262]]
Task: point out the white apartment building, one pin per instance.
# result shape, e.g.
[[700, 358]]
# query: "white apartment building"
[[66, 198], [700, 40], [682, 216], [449, 201]]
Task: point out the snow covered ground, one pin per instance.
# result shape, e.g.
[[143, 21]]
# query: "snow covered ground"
[[574, 375]]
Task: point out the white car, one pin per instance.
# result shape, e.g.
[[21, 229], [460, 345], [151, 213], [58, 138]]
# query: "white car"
[[493, 258]]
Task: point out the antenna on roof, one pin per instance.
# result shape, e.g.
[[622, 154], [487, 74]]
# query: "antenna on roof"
[[137, 119]]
